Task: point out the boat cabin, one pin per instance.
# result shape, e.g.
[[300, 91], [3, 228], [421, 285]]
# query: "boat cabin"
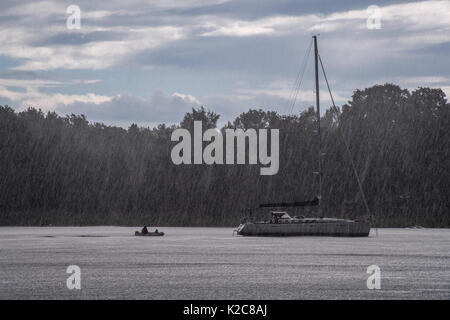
[[281, 216]]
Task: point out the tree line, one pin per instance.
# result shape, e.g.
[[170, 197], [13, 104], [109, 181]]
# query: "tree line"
[[57, 170]]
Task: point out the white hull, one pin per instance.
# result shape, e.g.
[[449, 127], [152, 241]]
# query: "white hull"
[[335, 228]]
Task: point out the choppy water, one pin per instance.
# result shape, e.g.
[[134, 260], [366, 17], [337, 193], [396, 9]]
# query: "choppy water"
[[209, 263]]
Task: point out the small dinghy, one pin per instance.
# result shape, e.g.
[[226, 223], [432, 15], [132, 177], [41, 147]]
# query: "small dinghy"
[[150, 234]]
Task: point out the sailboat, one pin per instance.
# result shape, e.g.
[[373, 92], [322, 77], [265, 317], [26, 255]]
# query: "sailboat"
[[282, 224]]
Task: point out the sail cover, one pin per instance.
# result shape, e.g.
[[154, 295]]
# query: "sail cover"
[[309, 203]]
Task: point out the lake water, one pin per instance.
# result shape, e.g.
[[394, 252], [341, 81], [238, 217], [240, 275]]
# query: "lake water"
[[209, 263]]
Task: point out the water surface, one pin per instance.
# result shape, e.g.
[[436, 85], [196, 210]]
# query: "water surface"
[[209, 263]]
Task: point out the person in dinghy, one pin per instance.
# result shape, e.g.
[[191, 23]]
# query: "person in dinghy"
[[145, 232]]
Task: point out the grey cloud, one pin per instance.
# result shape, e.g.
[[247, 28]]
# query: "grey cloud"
[[160, 107], [229, 107], [259, 54], [251, 9], [157, 107], [23, 75], [353, 55], [72, 38]]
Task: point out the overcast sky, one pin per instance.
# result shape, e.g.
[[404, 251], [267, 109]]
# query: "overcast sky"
[[148, 62]]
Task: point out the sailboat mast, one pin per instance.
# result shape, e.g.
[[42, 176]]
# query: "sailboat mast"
[[316, 68]]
